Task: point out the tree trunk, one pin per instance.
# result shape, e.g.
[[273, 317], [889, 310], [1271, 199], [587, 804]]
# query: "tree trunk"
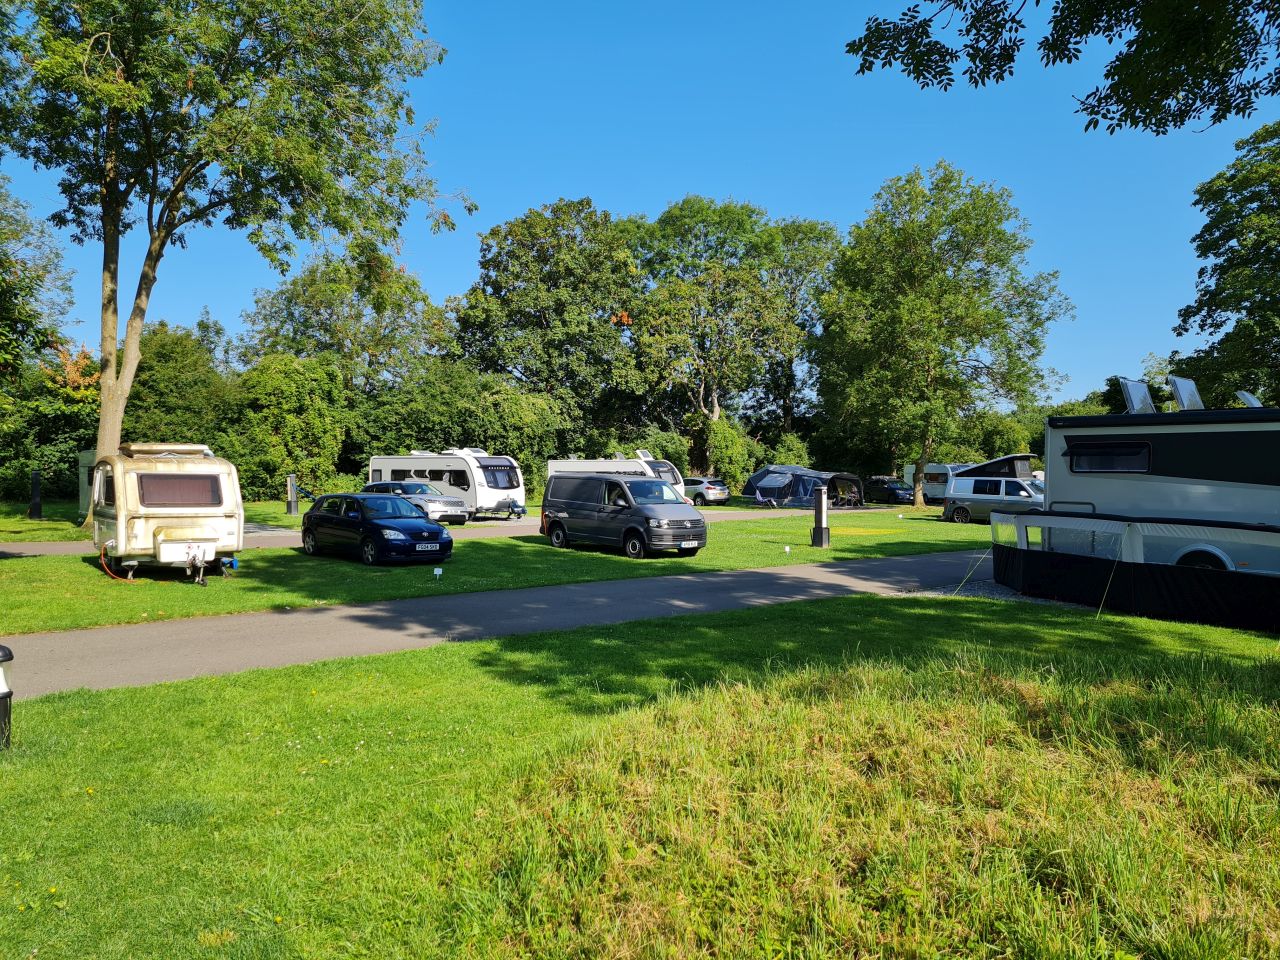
[[918, 481]]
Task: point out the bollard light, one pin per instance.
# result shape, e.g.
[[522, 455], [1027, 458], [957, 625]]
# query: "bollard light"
[[821, 536], [6, 697]]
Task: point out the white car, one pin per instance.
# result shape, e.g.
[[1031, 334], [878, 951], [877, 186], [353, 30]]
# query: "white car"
[[437, 506]]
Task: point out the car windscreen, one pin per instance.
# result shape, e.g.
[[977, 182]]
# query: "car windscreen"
[[897, 485], [388, 508], [653, 491], [1037, 486]]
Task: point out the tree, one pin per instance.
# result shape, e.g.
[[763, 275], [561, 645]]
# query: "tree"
[[34, 288], [366, 312], [1237, 289], [933, 313], [552, 307], [180, 395], [283, 119], [1177, 63]]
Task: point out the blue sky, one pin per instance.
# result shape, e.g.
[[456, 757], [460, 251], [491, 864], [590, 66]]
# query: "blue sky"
[[637, 105]]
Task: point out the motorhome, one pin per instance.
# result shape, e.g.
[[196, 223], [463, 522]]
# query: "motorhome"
[[486, 484], [645, 464], [1165, 514], [936, 478], [1189, 465], [166, 504]]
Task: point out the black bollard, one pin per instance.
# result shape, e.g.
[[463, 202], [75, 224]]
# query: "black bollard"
[[821, 532], [36, 510], [6, 698]]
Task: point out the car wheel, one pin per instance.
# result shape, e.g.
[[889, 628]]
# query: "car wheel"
[[690, 552], [368, 552], [633, 545], [961, 515], [699, 500], [309, 545], [558, 536]]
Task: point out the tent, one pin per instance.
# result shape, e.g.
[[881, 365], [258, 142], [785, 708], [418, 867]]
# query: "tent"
[[793, 486]]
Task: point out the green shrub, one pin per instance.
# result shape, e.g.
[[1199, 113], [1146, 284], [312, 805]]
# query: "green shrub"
[[729, 453], [790, 449]]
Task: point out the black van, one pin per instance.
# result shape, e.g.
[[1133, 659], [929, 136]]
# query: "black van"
[[639, 514]]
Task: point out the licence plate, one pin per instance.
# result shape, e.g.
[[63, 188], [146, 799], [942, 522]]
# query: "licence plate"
[[686, 544], [428, 546]]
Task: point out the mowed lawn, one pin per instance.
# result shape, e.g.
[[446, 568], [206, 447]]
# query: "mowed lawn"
[[57, 524], [67, 592], [868, 776]]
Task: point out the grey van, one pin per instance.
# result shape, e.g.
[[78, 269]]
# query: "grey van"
[[639, 514], [976, 498]]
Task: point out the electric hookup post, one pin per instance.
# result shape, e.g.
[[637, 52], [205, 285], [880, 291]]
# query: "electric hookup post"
[[36, 510], [821, 532], [291, 495], [6, 697]]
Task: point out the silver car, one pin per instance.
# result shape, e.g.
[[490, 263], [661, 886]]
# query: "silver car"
[[704, 490], [436, 505]]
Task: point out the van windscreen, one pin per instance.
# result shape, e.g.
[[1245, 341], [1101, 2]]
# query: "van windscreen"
[[179, 490]]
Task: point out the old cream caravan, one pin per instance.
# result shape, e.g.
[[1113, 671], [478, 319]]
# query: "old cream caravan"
[[167, 504]]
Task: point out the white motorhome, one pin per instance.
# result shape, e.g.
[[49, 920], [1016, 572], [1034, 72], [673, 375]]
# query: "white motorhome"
[[645, 464], [167, 504], [485, 483], [1202, 481], [936, 478]]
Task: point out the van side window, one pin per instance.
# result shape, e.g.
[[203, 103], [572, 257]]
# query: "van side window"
[[986, 488], [613, 495], [1012, 488]]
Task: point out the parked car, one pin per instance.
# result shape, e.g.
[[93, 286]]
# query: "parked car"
[[976, 498], [429, 499], [376, 526], [639, 514], [887, 490], [704, 490]]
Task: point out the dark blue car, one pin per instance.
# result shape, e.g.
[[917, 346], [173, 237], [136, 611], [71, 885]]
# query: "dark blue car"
[[376, 526]]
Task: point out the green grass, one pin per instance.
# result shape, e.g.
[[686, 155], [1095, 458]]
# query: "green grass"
[[69, 592], [59, 523], [867, 776]]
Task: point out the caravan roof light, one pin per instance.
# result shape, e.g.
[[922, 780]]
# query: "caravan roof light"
[[1137, 396], [1185, 393], [645, 455], [1248, 399]]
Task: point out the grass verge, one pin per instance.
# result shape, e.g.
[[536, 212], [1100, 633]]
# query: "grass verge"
[[70, 592], [867, 776], [59, 523]]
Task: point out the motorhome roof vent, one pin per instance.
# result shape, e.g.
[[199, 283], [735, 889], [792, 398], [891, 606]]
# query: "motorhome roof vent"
[[477, 451], [1137, 396], [618, 456], [1248, 399], [165, 450], [1185, 393], [645, 455]]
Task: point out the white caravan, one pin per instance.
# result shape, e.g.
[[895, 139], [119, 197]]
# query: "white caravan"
[[168, 504], [645, 464], [486, 484], [1216, 468], [936, 478]]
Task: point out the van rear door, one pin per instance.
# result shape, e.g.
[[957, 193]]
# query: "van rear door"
[[581, 502]]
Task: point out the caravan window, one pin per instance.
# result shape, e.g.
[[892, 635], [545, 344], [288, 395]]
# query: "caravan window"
[[663, 469], [501, 478], [454, 478], [179, 490], [1131, 457], [936, 478], [107, 491]]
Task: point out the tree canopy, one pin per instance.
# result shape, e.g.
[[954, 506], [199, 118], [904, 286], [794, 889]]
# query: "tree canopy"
[[1177, 62], [34, 292]]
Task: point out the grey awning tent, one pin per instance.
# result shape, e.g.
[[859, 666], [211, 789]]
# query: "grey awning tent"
[[793, 486]]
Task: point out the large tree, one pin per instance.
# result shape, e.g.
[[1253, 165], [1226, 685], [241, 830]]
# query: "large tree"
[[1176, 62], [34, 292], [1238, 287], [288, 119], [552, 306], [933, 313]]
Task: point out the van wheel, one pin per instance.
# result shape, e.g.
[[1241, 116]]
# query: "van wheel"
[[558, 536], [961, 515], [309, 545], [368, 552], [633, 546], [1200, 560]]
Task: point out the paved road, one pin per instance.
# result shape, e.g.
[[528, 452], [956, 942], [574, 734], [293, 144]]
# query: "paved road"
[[140, 654], [264, 535]]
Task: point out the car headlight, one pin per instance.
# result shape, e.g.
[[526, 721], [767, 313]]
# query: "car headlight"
[[446, 535], [659, 523], [393, 535]]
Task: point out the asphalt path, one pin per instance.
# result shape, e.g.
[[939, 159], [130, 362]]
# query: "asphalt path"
[[264, 535], [140, 654]]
